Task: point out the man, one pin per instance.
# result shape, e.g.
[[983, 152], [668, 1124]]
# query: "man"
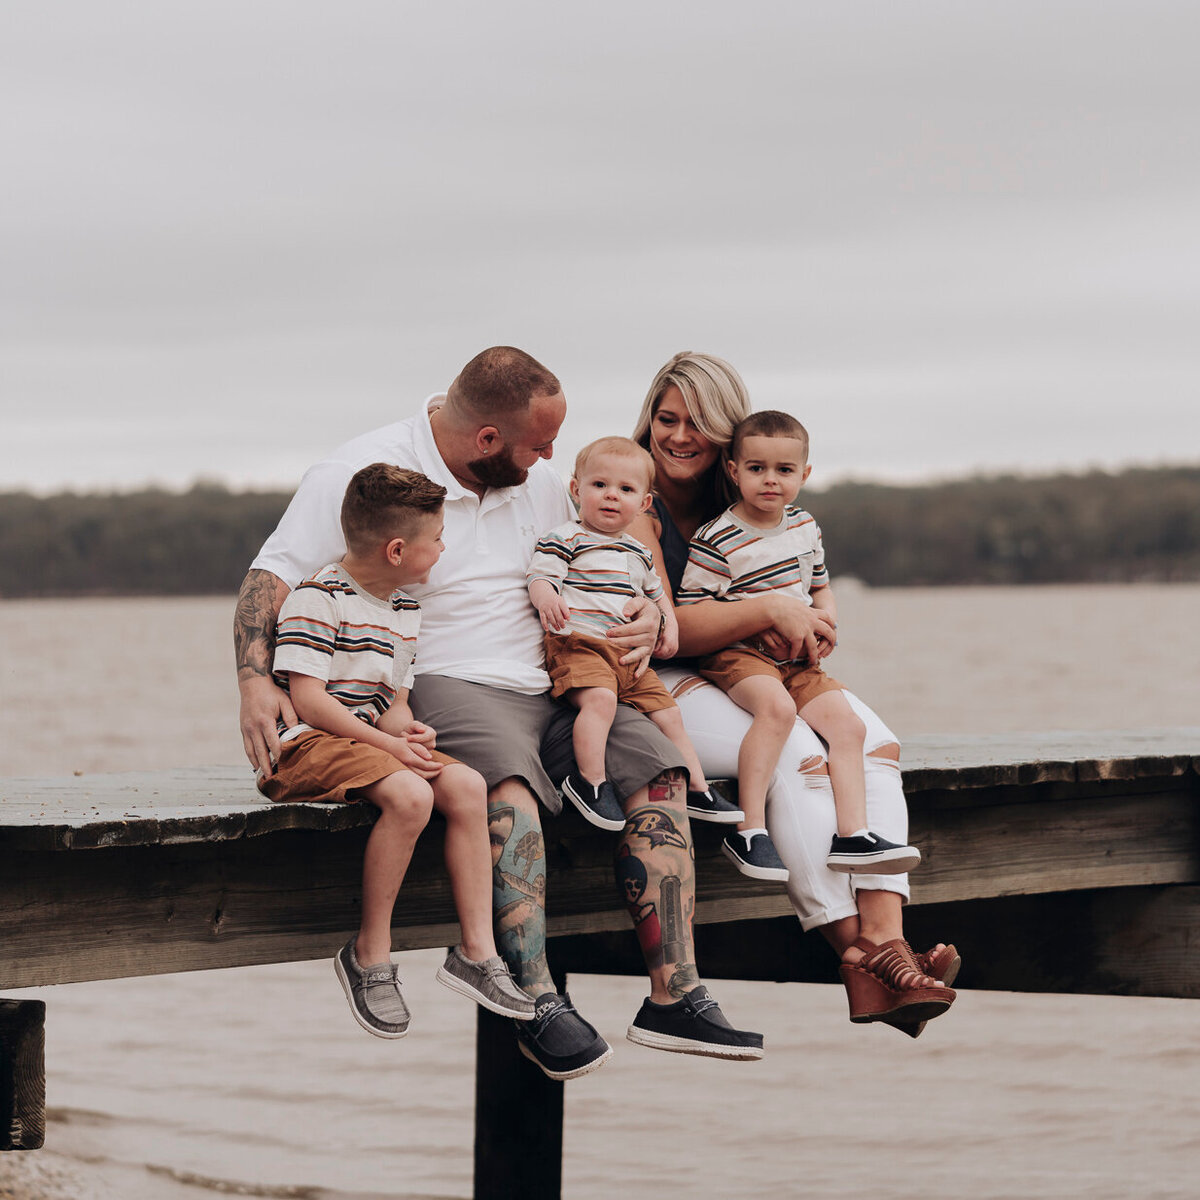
[[482, 686]]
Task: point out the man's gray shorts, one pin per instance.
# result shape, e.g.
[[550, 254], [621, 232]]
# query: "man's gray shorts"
[[502, 734]]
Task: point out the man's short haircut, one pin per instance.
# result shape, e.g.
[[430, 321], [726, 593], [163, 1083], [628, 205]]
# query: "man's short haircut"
[[624, 446], [383, 501], [500, 381], [768, 423]]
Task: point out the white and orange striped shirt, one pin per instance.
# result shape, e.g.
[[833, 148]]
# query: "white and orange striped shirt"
[[596, 574], [362, 647], [730, 560]]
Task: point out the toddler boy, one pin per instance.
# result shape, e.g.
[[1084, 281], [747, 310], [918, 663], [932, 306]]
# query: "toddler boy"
[[582, 575], [765, 543], [345, 643]]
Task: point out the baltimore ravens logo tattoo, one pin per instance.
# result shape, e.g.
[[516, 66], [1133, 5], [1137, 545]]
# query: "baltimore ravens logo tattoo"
[[657, 828]]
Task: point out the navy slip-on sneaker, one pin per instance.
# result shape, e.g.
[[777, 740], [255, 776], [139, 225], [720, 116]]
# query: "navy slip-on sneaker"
[[693, 1025], [559, 1040]]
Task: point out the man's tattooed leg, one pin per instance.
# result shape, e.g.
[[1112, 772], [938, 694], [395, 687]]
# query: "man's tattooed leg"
[[519, 884], [655, 869], [683, 979]]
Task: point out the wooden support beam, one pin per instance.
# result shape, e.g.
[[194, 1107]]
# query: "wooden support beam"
[[1126, 941], [22, 1074], [67, 916], [142, 908], [114, 876]]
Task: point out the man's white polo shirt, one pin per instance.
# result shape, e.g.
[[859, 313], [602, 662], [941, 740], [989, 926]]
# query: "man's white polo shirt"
[[476, 619]]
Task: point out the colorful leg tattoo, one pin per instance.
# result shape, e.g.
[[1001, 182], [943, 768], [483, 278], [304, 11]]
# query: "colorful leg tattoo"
[[519, 895], [655, 869]]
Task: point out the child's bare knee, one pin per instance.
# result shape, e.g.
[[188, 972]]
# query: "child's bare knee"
[[846, 731], [461, 792], [597, 700], [668, 719], [405, 797], [776, 709]]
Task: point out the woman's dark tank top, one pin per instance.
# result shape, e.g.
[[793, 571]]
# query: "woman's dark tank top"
[[674, 546]]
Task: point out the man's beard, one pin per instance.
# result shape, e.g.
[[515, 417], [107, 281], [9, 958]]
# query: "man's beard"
[[498, 470]]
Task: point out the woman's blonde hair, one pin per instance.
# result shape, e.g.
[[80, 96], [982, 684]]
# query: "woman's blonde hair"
[[716, 400]]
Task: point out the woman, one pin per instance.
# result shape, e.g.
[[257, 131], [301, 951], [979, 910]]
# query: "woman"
[[687, 423]]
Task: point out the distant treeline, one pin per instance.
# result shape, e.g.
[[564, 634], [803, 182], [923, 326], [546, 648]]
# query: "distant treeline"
[[1140, 524]]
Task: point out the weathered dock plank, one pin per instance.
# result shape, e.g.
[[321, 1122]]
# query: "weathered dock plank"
[[221, 803], [108, 876]]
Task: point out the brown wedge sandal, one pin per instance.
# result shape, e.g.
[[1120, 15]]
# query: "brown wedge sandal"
[[874, 991], [940, 964]]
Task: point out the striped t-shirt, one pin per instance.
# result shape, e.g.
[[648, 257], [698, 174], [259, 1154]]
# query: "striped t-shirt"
[[730, 560], [362, 647], [596, 574]]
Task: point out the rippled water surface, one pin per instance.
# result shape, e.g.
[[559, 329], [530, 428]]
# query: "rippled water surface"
[[257, 1081]]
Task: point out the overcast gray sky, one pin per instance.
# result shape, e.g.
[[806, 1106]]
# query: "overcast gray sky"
[[949, 237]]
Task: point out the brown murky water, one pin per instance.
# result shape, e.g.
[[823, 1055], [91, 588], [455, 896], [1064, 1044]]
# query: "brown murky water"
[[257, 1082]]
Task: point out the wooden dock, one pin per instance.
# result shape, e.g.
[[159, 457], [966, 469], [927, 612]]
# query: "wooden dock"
[[1064, 863]]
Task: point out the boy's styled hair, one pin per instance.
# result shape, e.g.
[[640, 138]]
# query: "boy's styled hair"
[[499, 380], [616, 445], [383, 501], [768, 423]]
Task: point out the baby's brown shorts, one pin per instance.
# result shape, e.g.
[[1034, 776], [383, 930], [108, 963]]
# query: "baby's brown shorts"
[[575, 660]]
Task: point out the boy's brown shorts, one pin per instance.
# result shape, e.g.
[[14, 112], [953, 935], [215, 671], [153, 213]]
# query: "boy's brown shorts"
[[321, 766], [804, 683], [574, 660]]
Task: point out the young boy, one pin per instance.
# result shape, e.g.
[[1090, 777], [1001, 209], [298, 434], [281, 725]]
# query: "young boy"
[[764, 543], [345, 642], [581, 577]]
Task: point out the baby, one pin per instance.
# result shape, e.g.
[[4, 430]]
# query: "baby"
[[581, 577]]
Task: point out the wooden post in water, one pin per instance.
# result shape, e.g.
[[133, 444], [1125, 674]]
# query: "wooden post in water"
[[22, 1074], [518, 1118]]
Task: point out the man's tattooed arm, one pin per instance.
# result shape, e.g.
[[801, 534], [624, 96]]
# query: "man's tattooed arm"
[[258, 606]]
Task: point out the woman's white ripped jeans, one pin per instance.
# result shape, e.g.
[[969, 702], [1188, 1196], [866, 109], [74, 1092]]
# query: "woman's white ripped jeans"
[[800, 812]]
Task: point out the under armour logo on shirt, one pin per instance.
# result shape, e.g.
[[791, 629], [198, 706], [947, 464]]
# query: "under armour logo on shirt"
[[529, 530]]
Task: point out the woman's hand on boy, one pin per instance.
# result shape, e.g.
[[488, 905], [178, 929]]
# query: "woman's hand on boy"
[[800, 630]]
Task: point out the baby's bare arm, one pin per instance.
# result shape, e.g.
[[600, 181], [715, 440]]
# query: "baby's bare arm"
[[552, 608]]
